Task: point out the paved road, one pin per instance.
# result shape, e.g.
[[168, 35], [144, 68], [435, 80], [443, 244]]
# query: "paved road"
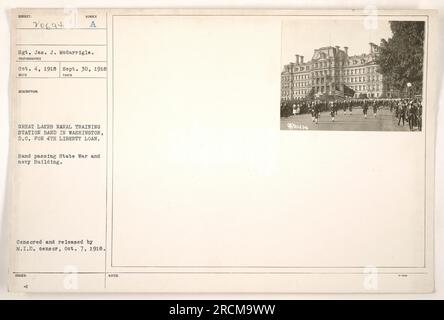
[[384, 121]]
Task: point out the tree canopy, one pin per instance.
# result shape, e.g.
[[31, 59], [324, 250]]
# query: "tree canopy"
[[401, 56]]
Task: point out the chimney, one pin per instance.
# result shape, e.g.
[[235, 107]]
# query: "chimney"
[[302, 59], [297, 59], [346, 50]]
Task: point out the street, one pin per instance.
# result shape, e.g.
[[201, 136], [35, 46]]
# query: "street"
[[384, 121]]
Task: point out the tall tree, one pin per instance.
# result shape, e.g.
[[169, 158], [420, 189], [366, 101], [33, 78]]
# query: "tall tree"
[[401, 56]]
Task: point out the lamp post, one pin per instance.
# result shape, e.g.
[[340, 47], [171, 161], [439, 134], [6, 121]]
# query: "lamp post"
[[409, 85]]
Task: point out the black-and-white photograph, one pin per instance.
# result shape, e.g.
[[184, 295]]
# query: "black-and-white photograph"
[[352, 75]]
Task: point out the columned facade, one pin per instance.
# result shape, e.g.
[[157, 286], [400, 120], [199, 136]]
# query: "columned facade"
[[330, 71]]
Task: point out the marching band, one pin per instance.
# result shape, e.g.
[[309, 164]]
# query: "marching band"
[[403, 109]]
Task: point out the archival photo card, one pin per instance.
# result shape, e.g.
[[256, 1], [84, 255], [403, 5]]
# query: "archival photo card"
[[146, 155]]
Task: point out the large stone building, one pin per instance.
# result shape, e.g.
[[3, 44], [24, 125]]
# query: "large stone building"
[[331, 72]]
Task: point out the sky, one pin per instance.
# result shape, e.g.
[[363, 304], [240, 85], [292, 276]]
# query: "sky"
[[303, 36]]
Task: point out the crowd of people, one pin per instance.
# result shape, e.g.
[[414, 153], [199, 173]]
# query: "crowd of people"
[[406, 110]]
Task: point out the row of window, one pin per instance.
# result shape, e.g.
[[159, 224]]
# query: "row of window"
[[362, 79], [301, 84], [327, 64], [354, 71], [360, 70], [368, 88], [299, 92], [371, 95], [301, 76], [323, 88], [322, 80]]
